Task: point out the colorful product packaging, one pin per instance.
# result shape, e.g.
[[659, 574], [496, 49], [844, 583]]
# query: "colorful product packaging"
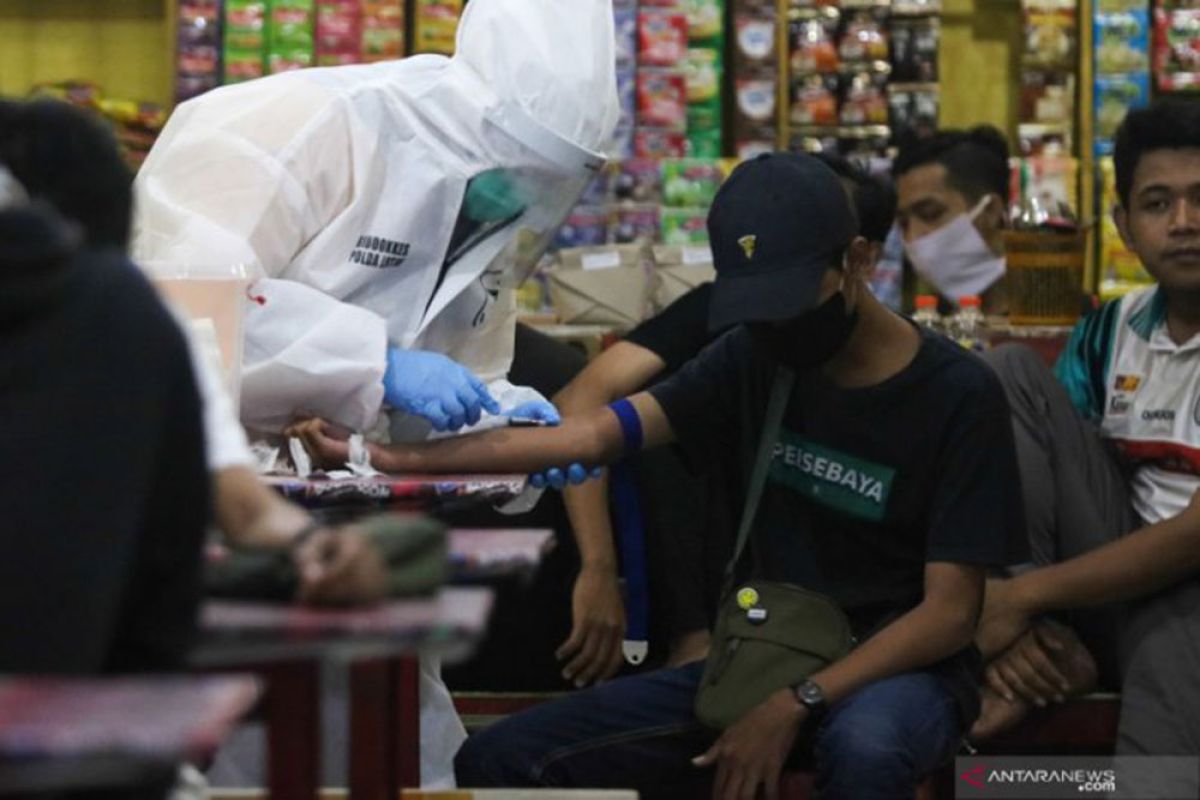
[[638, 180], [1115, 96], [705, 19], [245, 40], [684, 226], [755, 44], [662, 37], [290, 35], [339, 32], [812, 35], [691, 182], [662, 99], [198, 54], [658, 143], [1122, 42], [436, 25], [915, 50]]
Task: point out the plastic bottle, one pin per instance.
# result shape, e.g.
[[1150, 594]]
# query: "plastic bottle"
[[926, 314], [968, 327]]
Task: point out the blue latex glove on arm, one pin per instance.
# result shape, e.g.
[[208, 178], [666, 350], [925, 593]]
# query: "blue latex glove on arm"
[[556, 478], [432, 386]]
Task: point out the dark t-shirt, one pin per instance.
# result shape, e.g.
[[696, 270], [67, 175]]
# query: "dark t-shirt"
[[866, 485], [106, 503], [678, 333]]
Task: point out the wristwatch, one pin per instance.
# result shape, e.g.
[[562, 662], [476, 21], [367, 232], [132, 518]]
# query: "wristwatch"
[[812, 697]]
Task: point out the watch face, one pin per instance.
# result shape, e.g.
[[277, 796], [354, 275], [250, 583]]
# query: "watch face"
[[810, 694]]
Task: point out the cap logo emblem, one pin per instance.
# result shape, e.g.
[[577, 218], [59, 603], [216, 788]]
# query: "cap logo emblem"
[[748, 243]]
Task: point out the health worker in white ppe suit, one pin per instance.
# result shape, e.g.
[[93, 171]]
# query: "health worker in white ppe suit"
[[388, 211]]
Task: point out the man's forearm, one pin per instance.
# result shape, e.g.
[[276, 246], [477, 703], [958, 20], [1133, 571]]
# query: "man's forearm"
[[251, 515], [1143, 562], [923, 636], [587, 508], [592, 439]]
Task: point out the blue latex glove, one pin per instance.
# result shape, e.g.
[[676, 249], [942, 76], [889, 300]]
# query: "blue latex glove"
[[437, 388], [556, 478], [539, 410]]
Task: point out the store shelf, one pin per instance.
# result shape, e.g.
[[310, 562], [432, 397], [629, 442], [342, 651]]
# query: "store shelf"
[[123, 45]]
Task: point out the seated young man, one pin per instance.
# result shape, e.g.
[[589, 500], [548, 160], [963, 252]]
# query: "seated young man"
[[892, 488], [953, 190], [691, 519], [1109, 456]]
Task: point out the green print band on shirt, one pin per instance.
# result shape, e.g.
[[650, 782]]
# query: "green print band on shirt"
[[832, 478]]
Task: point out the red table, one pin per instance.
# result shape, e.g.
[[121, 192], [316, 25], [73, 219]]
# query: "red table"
[[285, 645], [62, 734]]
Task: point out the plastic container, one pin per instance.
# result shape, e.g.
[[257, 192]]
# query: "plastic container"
[[968, 326], [926, 314], [1045, 276]]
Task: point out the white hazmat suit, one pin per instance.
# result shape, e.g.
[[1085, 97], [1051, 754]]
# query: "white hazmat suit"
[[339, 190]]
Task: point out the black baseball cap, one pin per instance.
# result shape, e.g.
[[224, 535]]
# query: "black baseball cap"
[[774, 228]]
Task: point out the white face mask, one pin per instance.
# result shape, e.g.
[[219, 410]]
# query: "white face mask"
[[955, 258]]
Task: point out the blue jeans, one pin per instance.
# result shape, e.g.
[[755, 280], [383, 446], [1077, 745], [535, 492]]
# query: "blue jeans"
[[640, 733]]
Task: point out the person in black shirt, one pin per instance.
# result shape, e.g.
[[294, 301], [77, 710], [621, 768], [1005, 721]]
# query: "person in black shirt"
[[690, 519], [106, 500], [892, 488]]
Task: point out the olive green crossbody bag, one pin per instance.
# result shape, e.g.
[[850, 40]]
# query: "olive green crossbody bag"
[[768, 635]]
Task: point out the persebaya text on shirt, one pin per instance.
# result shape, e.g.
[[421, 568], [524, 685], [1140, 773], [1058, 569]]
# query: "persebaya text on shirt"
[[832, 478], [375, 251]]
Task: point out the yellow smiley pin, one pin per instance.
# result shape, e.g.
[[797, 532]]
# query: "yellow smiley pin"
[[747, 598]]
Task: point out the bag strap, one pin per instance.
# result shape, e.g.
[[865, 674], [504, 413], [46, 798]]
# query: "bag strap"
[[781, 390]]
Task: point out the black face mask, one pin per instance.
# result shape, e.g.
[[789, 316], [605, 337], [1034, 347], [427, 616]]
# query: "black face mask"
[[811, 339]]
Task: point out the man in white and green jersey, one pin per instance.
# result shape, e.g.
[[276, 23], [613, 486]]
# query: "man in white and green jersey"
[[1109, 469]]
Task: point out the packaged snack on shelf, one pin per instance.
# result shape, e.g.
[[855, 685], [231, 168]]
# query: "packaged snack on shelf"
[[702, 71], [621, 146], [1050, 182], [915, 49], [704, 144], [638, 180], [1115, 96], [1051, 34], [1122, 42], [704, 117], [1044, 139], [812, 37], [658, 143], [1117, 263], [627, 97], [755, 44], [245, 26], [1177, 49], [814, 140], [290, 41], [585, 226], [662, 99], [339, 32], [436, 25], [685, 226], [1047, 97], [864, 99], [198, 54], [756, 101], [691, 181], [705, 19], [625, 23], [754, 143], [634, 223], [864, 37], [662, 37], [913, 109], [680, 268], [815, 100]]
